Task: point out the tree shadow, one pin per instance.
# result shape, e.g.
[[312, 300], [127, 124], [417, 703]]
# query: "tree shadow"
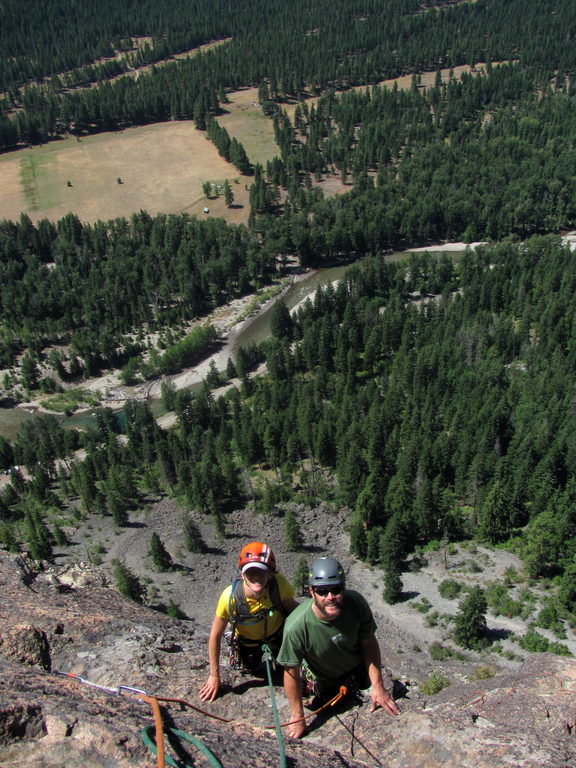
[[215, 550], [311, 548], [494, 635], [405, 596]]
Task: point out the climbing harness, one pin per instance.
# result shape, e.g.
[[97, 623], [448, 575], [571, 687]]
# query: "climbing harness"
[[239, 614]]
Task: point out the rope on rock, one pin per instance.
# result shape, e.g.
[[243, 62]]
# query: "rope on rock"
[[154, 747], [269, 660]]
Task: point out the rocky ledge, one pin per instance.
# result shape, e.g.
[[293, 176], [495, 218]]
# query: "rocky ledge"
[[525, 717]]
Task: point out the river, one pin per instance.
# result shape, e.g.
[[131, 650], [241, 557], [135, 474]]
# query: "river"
[[251, 331]]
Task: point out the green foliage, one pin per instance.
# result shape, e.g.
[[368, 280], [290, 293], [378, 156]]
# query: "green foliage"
[[392, 585], [435, 683], [127, 583], [301, 577], [358, 543], [470, 621], [534, 642], [450, 589], [423, 606], [549, 618], [193, 540], [36, 535], [439, 652], [482, 672], [161, 558], [174, 611], [293, 537]]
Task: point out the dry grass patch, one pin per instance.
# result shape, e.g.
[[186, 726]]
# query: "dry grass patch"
[[161, 168]]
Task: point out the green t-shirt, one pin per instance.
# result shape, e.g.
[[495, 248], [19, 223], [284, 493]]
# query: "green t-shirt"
[[330, 648]]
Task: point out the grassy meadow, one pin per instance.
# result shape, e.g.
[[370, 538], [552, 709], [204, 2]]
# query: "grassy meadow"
[[158, 168]]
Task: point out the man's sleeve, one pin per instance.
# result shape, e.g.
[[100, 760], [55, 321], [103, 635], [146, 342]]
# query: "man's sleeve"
[[290, 654]]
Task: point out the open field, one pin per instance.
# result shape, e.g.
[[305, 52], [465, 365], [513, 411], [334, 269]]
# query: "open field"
[[245, 121], [161, 167]]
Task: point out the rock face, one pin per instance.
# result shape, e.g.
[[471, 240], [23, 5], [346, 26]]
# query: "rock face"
[[525, 717]]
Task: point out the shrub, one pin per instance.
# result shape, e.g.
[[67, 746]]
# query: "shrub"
[[127, 583], [423, 606], [432, 619], [534, 642], [174, 610], [439, 652], [450, 589], [434, 684], [482, 672]]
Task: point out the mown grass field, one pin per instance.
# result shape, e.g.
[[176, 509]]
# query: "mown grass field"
[[161, 168]]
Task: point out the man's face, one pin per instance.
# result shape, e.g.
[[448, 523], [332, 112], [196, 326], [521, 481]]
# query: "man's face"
[[256, 579], [327, 601]]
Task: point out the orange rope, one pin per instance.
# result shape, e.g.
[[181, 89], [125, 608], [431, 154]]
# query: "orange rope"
[[153, 701], [184, 703], [340, 695]]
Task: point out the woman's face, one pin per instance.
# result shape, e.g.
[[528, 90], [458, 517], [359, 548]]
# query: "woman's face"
[[256, 579]]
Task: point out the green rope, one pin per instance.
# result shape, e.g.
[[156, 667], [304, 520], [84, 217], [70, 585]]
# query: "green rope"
[[146, 734], [268, 657]]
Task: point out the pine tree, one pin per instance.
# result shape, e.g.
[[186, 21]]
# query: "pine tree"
[[228, 194], [293, 539], [159, 554], [37, 536], [470, 620], [392, 584], [192, 537], [127, 583], [358, 544], [301, 576]]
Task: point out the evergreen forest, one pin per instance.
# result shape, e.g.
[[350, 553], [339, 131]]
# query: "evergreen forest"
[[435, 399]]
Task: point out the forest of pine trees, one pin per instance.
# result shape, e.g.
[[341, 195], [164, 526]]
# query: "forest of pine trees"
[[435, 400]]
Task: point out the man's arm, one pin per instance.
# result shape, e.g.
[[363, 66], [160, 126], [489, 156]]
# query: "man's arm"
[[210, 689], [293, 690], [373, 661]]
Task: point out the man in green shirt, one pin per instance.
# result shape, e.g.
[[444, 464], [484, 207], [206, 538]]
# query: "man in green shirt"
[[333, 633]]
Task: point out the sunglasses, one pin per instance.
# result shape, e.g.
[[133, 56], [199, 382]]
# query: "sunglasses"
[[325, 591]]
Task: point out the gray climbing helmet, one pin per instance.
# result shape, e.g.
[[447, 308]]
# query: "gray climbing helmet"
[[326, 572]]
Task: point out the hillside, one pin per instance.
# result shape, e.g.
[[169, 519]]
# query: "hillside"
[[75, 624]]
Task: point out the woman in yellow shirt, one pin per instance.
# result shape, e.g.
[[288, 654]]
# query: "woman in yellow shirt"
[[256, 606]]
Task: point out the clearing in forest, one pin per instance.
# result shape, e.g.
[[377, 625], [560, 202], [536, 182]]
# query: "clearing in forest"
[[159, 168]]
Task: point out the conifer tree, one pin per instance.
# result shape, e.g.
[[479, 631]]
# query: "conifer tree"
[[159, 554], [301, 576], [127, 583], [192, 536], [470, 620], [37, 535], [392, 584], [293, 539]]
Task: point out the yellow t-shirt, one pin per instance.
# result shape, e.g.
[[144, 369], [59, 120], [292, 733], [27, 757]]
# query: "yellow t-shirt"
[[274, 619]]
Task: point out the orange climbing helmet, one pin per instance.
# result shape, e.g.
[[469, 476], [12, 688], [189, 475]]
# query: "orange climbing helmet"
[[257, 555]]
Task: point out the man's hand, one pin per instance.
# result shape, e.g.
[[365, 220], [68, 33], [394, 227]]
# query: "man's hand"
[[210, 689], [381, 698]]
